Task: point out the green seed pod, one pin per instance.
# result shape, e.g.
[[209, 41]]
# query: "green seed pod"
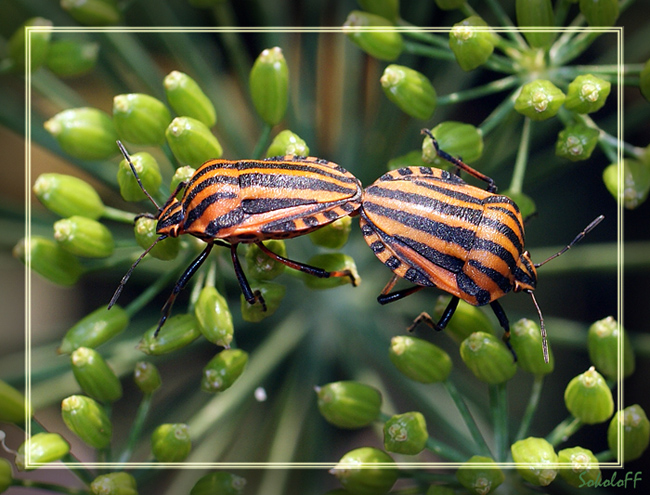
[[488, 358], [471, 46], [588, 397], [88, 420], [149, 172], [269, 85], [644, 82], [358, 472], [94, 329], [602, 343], [525, 203], [287, 143], [636, 432], [192, 142], [114, 484], [467, 319], [349, 404], [85, 133], [145, 235], [539, 100], [146, 377], [171, 442], [84, 237], [93, 12], [636, 182], [260, 265], [526, 340], [419, 360], [41, 448], [219, 483], [182, 174], [450, 4], [140, 118], [13, 405], [382, 44], [599, 12], [584, 466], [480, 480], [406, 433], [410, 90], [331, 262], [388, 9], [67, 195], [94, 376], [179, 331], [6, 475], [587, 94], [576, 142], [40, 43], [272, 293], [188, 99], [215, 321], [535, 455], [536, 14], [223, 370], [67, 58], [49, 260], [334, 235], [455, 138], [410, 159]]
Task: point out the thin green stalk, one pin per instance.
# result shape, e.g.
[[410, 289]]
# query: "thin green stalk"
[[499, 410], [522, 159], [443, 450], [605, 456], [575, 47], [428, 38], [485, 90], [428, 51], [117, 215], [531, 407], [498, 114], [136, 428], [56, 91], [563, 431], [504, 20], [263, 141]]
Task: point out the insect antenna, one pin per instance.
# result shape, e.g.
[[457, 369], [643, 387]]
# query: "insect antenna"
[[542, 328], [577, 239], [127, 157]]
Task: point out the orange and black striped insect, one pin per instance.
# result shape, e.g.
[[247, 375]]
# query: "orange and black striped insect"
[[433, 229], [228, 202]]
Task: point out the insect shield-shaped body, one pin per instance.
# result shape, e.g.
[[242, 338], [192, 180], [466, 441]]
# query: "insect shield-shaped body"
[[229, 202]]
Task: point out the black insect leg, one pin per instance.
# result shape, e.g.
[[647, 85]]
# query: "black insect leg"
[[505, 324], [444, 319], [388, 297], [251, 296]]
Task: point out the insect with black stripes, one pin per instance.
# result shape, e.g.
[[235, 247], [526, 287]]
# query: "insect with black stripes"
[[433, 229], [228, 202]]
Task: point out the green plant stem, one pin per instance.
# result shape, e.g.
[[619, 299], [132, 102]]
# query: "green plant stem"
[[50, 487], [428, 51], [445, 451], [575, 47], [487, 89], [117, 215], [498, 114], [563, 431], [136, 428], [263, 141], [428, 38], [522, 159], [504, 20], [499, 409], [531, 407], [605, 455]]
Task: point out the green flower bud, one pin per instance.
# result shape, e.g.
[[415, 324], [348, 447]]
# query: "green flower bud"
[[271, 292], [406, 433], [287, 143], [145, 235], [334, 235], [269, 85], [93, 12], [576, 142], [636, 432], [472, 47], [539, 100], [67, 58], [6, 475], [212, 313], [410, 159], [49, 260], [525, 203], [188, 99], [41, 448], [480, 480], [12, 405], [587, 94], [114, 484], [88, 420], [192, 142], [488, 358], [67, 195], [636, 182], [455, 138], [178, 332], [536, 14], [140, 118], [644, 82], [348, 404], [382, 44], [94, 376], [588, 397], [149, 172], [467, 319], [419, 360], [182, 174], [171, 442], [526, 340], [410, 90], [388, 9], [219, 483], [600, 12], [84, 237], [331, 262], [584, 466], [146, 377], [94, 329], [535, 455], [223, 370], [450, 4], [40, 43], [602, 343], [260, 265], [359, 473], [85, 133]]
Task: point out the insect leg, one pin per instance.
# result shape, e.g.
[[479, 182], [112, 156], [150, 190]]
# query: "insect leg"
[[505, 324], [444, 319], [251, 296], [387, 297]]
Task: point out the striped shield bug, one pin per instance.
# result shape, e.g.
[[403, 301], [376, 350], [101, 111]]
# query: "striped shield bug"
[[228, 202], [433, 229]]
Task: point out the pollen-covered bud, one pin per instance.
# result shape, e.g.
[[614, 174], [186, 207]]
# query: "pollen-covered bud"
[[12, 405], [145, 235], [334, 235], [84, 237], [41, 448], [272, 293], [602, 343], [382, 44], [114, 484], [588, 397], [410, 90], [636, 182], [576, 142], [140, 118], [192, 142], [349, 404], [94, 329], [260, 265], [536, 14], [526, 340], [148, 171], [219, 483], [456, 139], [88, 420], [388, 9], [636, 432], [366, 471], [40, 43], [49, 260], [223, 370], [419, 360], [406, 433], [178, 332], [287, 143], [488, 358], [584, 466], [600, 12], [471, 42], [539, 100], [67, 196], [94, 376], [269, 85], [215, 321], [68, 58], [467, 319], [171, 442], [93, 12], [587, 94], [85, 133], [147, 377], [332, 262], [536, 457], [480, 480], [188, 99]]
